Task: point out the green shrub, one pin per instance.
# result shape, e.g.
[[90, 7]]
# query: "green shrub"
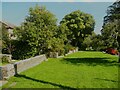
[[5, 59], [61, 52], [68, 47], [22, 50]]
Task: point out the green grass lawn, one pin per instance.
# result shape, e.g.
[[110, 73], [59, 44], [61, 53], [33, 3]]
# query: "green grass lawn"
[[78, 70], [5, 63], [2, 64]]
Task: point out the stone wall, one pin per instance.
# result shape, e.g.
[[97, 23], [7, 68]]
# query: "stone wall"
[[28, 63], [53, 54], [7, 71], [12, 69], [72, 51]]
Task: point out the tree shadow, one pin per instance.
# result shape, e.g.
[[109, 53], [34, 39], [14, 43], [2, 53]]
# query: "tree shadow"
[[46, 82], [107, 80], [90, 61]]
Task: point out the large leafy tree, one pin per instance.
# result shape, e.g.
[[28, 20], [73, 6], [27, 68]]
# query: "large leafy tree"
[[111, 27], [110, 35], [39, 32], [78, 26]]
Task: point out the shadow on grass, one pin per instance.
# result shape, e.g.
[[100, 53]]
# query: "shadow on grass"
[[106, 80], [91, 61], [46, 82]]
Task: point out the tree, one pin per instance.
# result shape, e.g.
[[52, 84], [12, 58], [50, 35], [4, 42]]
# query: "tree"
[[111, 26], [88, 42], [93, 42], [109, 35], [79, 25], [98, 43], [113, 13], [38, 32]]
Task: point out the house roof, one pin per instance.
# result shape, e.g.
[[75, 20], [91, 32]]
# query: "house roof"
[[8, 25]]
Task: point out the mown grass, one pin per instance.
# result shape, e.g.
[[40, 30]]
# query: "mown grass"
[[78, 70], [5, 63], [2, 64]]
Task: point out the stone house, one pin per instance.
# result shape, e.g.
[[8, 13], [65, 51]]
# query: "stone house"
[[9, 27]]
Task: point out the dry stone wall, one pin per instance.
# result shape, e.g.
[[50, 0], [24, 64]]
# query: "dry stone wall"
[[28, 63], [12, 69]]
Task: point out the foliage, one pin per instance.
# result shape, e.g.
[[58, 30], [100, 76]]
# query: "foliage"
[[93, 42], [62, 32], [98, 43], [88, 42], [5, 59], [81, 70], [113, 13], [22, 50], [110, 35], [6, 41], [40, 33], [38, 28], [110, 31], [68, 47], [56, 45], [79, 25]]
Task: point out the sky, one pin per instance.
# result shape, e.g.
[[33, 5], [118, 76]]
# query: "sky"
[[15, 12], [58, 0]]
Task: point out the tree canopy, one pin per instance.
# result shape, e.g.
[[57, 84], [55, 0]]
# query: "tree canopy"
[[111, 26], [39, 32], [78, 26]]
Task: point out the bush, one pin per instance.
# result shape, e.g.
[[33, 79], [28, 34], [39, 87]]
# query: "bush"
[[22, 50], [5, 58], [61, 52], [68, 47]]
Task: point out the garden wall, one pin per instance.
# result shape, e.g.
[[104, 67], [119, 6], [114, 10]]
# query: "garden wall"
[[72, 51], [12, 69], [6, 71], [28, 63], [55, 54]]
